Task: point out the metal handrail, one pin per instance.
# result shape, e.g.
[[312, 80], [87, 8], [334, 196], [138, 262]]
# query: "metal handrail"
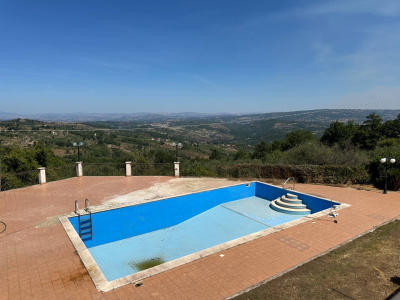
[[87, 205], [76, 207], [287, 180]]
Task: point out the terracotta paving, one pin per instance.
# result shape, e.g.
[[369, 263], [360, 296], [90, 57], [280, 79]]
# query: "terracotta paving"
[[38, 263]]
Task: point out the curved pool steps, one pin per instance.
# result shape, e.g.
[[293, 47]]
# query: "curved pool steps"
[[291, 200], [291, 196], [290, 204], [282, 203]]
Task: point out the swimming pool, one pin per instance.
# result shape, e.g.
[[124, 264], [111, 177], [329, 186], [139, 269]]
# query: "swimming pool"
[[172, 231]]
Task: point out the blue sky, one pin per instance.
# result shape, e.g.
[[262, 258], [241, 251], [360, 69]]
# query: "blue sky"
[[198, 56]]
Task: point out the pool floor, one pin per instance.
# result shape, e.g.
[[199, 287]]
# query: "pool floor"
[[215, 226]]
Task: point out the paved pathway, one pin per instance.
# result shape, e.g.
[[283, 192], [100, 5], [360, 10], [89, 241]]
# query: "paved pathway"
[[41, 262]]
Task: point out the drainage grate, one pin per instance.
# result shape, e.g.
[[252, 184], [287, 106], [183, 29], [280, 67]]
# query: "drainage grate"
[[291, 242], [378, 217]]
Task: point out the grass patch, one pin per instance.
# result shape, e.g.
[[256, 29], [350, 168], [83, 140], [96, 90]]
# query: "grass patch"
[[366, 268], [146, 264]]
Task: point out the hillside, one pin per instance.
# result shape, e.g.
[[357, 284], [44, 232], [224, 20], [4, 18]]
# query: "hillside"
[[198, 132], [319, 115]]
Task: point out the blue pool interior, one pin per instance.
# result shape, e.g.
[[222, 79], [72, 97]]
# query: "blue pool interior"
[[171, 228]]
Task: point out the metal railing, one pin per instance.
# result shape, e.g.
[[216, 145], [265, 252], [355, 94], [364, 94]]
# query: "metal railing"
[[59, 173], [103, 169], [10, 181], [119, 169], [287, 180], [153, 169]]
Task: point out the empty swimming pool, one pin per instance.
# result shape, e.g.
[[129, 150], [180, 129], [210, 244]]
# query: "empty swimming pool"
[[128, 240]]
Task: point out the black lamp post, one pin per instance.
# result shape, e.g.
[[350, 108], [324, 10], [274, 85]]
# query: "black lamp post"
[[176, 149], [385, 161], [80, 144]]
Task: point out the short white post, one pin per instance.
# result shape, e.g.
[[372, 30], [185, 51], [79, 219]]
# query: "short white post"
[[79, 171], [176, 168], [42, 175], [128, 168]]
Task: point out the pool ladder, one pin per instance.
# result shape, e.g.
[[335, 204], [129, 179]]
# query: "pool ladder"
[[287, 180], [85, 221]]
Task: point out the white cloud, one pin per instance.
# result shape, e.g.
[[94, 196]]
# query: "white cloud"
[[202, 80], [323, 53], [375, 57], [390, 8], [126, 66], [378, 97]]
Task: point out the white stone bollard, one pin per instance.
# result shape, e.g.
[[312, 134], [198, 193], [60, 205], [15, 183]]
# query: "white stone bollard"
[[176, 168], [79, 171], [128, 168], [42, 175]]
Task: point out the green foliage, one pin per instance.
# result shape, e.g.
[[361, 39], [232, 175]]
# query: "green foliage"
[[394, 179], [389, 142], [45, 156], [302, 173], [12, 181], [261, 150], [240, 155], [368, 134], [296, 138], [377, 169], [161, 156], [339, 133], [19, 165], [17, 160], [391, 128], [196, 170], [215, 154], [315, 153], [345, 149], [104, 169]]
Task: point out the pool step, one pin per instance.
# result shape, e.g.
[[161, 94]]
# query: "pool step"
[[298, 204], [290, 204], [291, 200]]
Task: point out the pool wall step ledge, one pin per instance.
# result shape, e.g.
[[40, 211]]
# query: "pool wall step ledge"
[[290, 204]]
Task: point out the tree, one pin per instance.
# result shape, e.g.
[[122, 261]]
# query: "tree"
[[297, 137], [369, 133], [161, 156], [339, 133], [391, 128], [215, 154], [277, 145], [373, 122], [261, 150], [18, 161], [240, 154], [41, 154]]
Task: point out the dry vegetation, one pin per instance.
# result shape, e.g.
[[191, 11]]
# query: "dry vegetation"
[[367, 268]]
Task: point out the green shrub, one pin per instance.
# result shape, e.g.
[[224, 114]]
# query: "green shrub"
[[302, 173], [394, 179]]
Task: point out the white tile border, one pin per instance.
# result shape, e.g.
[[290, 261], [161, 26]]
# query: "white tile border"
[[103, 285]]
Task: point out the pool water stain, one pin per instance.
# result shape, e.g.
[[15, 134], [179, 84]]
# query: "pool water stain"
[[146, 264]]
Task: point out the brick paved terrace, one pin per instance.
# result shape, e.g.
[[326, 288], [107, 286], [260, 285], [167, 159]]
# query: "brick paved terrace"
[[38, 261]]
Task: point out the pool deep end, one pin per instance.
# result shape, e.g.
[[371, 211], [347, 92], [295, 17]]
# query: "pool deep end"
[[117, 224]]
